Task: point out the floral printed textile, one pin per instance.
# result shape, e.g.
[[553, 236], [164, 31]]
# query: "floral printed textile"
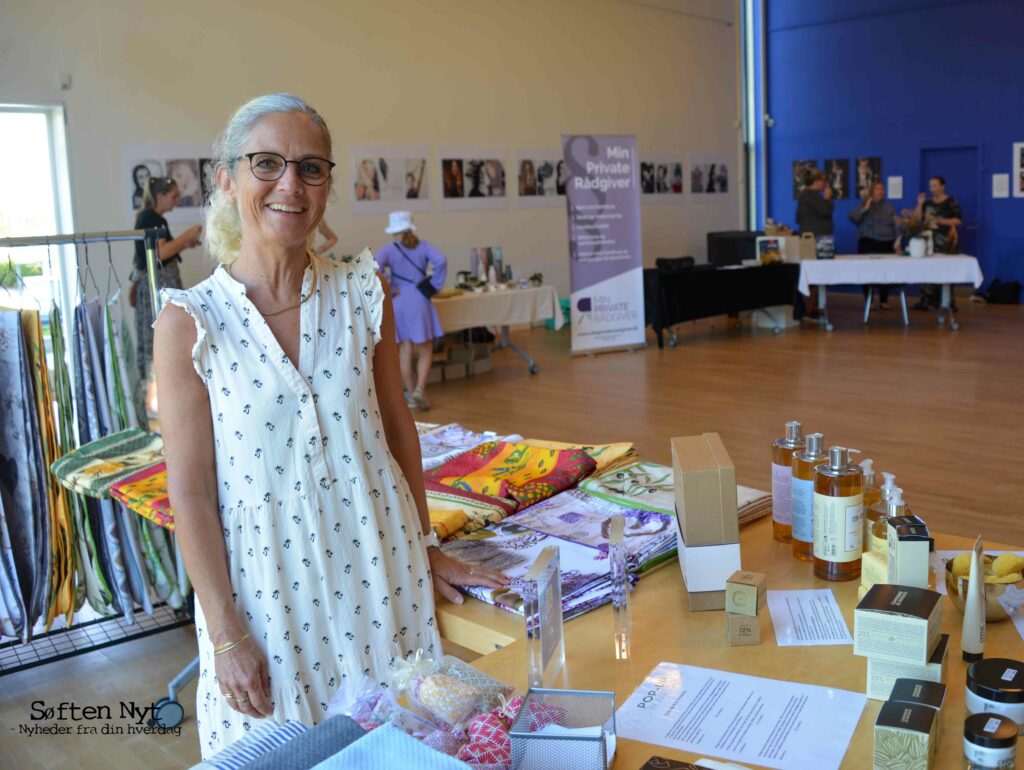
[[145, 493], [638, 485], [94, 467], [515, 471]]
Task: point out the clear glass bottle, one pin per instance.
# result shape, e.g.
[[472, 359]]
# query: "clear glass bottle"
[[838, 517], [878, 510], [871, 492], [782, 481], [803, 496], [880, 527]]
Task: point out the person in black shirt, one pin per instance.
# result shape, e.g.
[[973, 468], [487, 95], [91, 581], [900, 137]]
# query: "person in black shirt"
[[160, 196], [940, 213], [815, 206]]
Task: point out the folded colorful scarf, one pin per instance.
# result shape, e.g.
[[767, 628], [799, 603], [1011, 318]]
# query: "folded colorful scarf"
[[145, 493], [94, 467], [516, 472], [607, 456], [639, 485], [457, 512]]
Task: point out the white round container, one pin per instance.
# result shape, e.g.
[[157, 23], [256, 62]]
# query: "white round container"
[[990, 743], [918, 247], [996, 686]]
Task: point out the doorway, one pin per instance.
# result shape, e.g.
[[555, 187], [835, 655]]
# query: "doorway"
[[960, 167]]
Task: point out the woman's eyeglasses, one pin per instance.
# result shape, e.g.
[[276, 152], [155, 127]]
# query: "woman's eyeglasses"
[[269, 167]]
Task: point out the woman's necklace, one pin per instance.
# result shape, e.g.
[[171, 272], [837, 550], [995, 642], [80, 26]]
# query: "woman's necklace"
[[300, 303]]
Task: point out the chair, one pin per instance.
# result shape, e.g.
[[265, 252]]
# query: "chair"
[[673, 264]]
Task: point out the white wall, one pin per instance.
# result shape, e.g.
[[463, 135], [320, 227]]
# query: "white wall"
[[507, 73]]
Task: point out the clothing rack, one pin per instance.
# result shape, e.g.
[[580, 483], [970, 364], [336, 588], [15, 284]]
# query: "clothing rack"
[[96, 634], [74, 239]]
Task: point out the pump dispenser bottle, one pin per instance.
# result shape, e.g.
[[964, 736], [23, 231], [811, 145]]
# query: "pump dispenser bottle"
[[838, 516], [878, 510], [782, 478], [880, 526], [871, 492], [803, 496]]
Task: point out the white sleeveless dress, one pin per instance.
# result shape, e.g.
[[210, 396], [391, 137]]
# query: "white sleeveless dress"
[[327, 569]]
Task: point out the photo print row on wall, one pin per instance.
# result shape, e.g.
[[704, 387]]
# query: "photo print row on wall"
[[866, 171]]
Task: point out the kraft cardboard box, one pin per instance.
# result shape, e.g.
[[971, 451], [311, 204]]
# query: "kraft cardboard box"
[[705, 483], [746, 592], [742, 630]]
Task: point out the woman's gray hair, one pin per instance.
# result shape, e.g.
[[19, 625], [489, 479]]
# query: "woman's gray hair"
[[223, 229]]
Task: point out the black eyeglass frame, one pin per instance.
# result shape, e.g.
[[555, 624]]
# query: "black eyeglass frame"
[[284, 167]]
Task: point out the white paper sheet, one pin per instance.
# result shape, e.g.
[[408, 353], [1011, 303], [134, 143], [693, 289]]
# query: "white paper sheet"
[[1012, 597], [807, 618], [895, 187], [742, 718], [1000, 185]]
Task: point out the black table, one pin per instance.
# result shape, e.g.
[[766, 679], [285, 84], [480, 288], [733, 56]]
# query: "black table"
[[673, 297]]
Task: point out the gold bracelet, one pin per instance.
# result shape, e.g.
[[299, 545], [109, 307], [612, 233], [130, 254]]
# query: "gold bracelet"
[[228, 646]]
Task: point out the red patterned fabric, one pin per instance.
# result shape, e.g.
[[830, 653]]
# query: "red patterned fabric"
[[489, 741], [520, 473]]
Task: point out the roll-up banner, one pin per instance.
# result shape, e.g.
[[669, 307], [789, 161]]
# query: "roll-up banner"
[[605, 248]]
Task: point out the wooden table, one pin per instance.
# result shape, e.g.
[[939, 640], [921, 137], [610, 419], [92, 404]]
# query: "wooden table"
[[663, 630]]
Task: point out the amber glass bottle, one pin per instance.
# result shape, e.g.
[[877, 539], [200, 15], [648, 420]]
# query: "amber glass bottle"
[[803, 496], [838, 517], [782, 479]]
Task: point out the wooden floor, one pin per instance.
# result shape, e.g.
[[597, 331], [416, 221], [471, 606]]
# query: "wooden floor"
[[943, 411]]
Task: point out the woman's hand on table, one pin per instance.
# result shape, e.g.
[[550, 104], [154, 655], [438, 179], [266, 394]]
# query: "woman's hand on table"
[[448, 572], [242, 674]]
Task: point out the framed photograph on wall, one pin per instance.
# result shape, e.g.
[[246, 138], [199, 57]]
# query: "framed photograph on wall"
[[709, 177], [1017, 180], [868, 171], [801, 168], [181, 161], [386, 178], [539, 179], [661, 178], [474, 178], [839, 177]]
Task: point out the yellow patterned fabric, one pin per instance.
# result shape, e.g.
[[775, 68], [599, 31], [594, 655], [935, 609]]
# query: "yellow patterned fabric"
[[145, 493], [607, 456]]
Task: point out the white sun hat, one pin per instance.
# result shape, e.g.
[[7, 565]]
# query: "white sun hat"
[[399, 222]]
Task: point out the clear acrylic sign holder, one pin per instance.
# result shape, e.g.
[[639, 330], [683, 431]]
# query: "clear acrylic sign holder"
[[542, 607], [619, 575]]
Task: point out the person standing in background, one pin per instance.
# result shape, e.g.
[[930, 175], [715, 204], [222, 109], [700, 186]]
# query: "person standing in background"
[[815, 206], [160, 196], [877, 228], [940, 213], [416, 321]]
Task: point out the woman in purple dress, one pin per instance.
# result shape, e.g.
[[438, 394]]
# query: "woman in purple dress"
[[404, 264]]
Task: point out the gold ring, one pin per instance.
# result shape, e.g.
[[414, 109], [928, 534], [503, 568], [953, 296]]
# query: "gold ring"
[[228, 696], [240, 701], [472, 570]]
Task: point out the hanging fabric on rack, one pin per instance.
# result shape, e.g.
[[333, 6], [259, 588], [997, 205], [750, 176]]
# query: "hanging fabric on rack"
[[61, 591], [12, 604], [127, 526], [101, 512], [91, 584], [22, 476]]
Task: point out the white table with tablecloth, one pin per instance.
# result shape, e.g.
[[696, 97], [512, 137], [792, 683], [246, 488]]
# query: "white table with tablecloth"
[[501, 309], [872, 269]]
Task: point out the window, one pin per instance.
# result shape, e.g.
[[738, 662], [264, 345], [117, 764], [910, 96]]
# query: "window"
[[35, 200]]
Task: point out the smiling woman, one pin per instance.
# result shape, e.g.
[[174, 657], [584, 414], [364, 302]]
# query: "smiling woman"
[[293, 464]]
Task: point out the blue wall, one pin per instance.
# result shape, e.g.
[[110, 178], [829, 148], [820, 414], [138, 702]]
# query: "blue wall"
[[892, 78]]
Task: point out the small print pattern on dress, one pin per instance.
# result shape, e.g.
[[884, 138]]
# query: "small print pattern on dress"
[[328, 573]]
